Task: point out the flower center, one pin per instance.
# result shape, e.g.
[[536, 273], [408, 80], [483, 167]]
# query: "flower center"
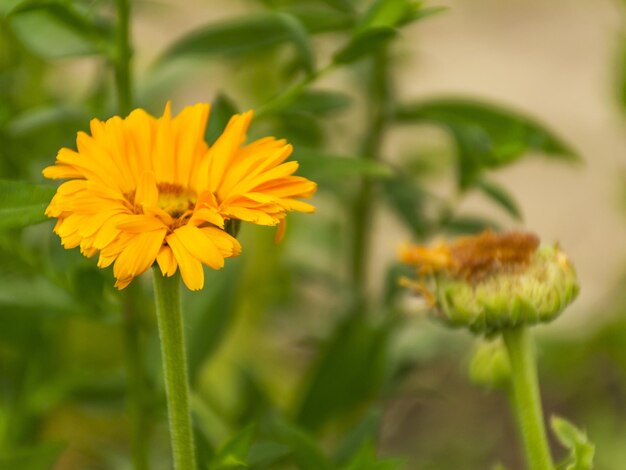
[[176, 200]]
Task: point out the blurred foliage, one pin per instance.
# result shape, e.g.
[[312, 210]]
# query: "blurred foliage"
[[294, 362]]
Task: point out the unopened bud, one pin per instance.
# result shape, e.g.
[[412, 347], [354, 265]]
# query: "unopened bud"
[[494, 281]]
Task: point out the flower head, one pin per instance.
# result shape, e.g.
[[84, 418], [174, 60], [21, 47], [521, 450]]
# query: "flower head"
[[145, 189], [493, 281]]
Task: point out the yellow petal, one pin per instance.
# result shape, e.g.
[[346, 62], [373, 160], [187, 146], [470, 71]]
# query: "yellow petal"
[[224, 149], [227, 244], [139, 254], [147, 192], [164, 161], [188, 130], [140, 223], [200, 246], [167, 261], [190, 266]]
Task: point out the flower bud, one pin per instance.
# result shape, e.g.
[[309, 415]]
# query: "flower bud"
[[494, 281], [489, 366]]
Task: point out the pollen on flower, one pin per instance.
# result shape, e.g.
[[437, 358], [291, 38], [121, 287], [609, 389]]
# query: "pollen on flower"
[[142, 190], [176, 200]]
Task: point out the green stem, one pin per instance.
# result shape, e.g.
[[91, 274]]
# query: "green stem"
[[123, 54], [167, 295], [526, 398], [361, 218], [285, 98], [136, 381]]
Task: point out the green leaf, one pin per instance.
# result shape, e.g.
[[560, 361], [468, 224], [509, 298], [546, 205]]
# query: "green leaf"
[[300, 129], [34, 121], [366, 459], [500, 196], [234, 454], [17, 292], [222, 109], [467, 224], [366, 431], [385, 13], [407, 199], [264, 455], [487, 136], [349, 371], [395, 13], [54, 29], [322, 167], [581, 450], [320, 19], [420, 12], [363, 44], [39, 458], [319, 102], [245, 35], [304, 452], [209, 316], [23, 204], [7, 6]]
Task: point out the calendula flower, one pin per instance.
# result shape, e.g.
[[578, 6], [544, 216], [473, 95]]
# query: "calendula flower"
[[493, 281], [145, 189]]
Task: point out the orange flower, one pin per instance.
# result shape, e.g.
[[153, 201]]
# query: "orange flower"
[[143, 189]]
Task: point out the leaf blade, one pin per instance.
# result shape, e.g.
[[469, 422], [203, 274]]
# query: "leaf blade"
[[23, 204]]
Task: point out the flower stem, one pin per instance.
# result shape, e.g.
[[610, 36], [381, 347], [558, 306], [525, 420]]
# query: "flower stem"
[[526, 399], [378, 106], [123, 53], [169, 317]]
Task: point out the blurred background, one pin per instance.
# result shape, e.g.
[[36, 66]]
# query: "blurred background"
[[418, 121]]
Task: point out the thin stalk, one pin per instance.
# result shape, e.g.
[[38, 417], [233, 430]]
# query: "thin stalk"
[[526, 398], [123, 54], [286, 98], [171, 334], [361, 217]]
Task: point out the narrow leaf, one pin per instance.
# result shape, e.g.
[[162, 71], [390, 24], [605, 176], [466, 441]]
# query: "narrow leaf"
[[468, 224], [420, 12], [407, 199], [303, 450], [234, 454], [364, 44], [23, 204], [366, 459], [54, 29], [209, 316], [581, 450], [319, 102], [244, 35], [366, 431], [500, 196], [324, 167], [319, 19], [487, 136], [349, 371], [222, 109], [385, 13]]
